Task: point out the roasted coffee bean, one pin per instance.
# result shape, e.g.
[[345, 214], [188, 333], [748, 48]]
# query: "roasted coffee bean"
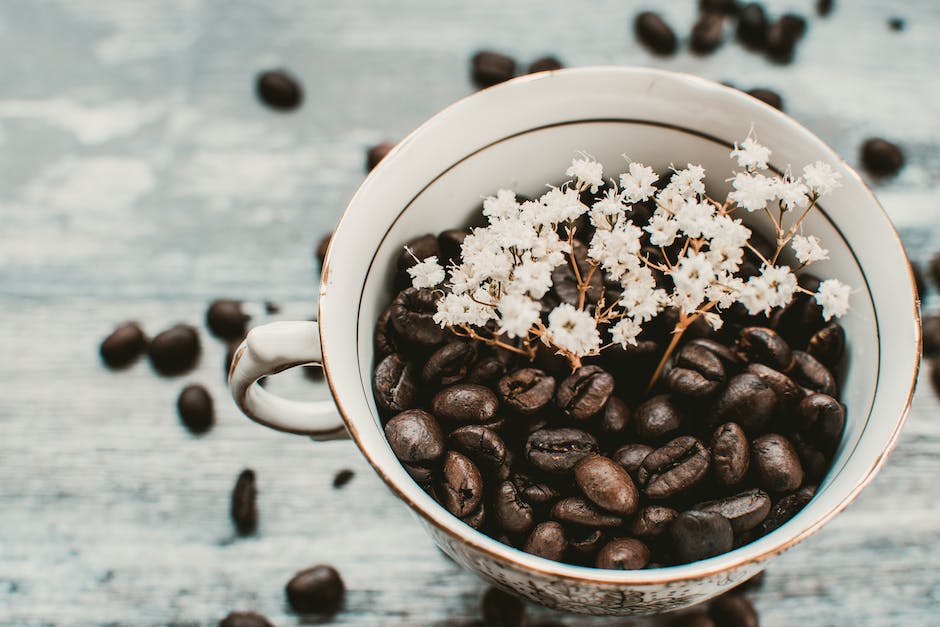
[[244, 505], [245, 619], [606, 484], [449, 364], [896, 24], [565, 283], [450, 243], [195, 408], [752, 25], [422, 475], [696, 372], [783, 35], [513, 514], [814, 462], [124, 345], [615, 416], [461, 485], [744, 511], [731, 455], [623, 554], [776, 463], [341, 478], [788, 507], [279, 90], [535, 492], [394, 384], [727, 7], [822, 419], [545, 64], [700, 535], [476, 518], [811, 373], [226, 320], [384, 338], [376, 153], [557, 451], [575, 510], [707, 33], [881, 157], [824, 7], [931, 335], [652, 521], [415, 437], [673, 468], [412, 316], [631, 456], [527, 390], [489, 68], [765, 346], [547, 540], [657, 419], [482, 445], [787, 391], [585, 392], [485, 370], [586, 541], [802, 317], [733, 610], [465, 402], [421, 248], [696, 618], [747, 400], [323, 247], [654, 33], [767, 96], [728, 357], [319, 590], [175, 351], [501, 609]]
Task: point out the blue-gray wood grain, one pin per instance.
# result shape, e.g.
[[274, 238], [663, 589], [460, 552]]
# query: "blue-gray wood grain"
[[141, 178]]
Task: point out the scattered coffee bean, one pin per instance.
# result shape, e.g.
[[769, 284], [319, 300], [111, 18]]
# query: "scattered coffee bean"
[[316, 590], [585, 392], [462, 485], [195, 408], [657, 419], [652, 521], [244, 508], [412, 316], [824, 7], [124, 345], [733, 610], [343, 477], [488, 68], [700, 535], [501, 609], [415, 437], [482, 445], [394, 384], [615, 417], [828, 344], [535, 492], [654, 33], [787, 391], [487, 370], [623, 554], [811, 373], [776, 463], [897, 24], [527, 390], [376, 153], [577, 511], [696, 372], [322, 247], [822, 419], [707, 33], [730, 454], [931, 334], [765, 346], [881, 157], [727, 7], [557, 451], [744, 511], [606, 484], [631, 456], [767, 96], [449, 242], [449, 364], [271, 308], [513, 514], [245, 619], [226, 320], [547, 540], [465, 402], [788, 507], [545, 64], [673, 468], [175, 350], [747, 400], [783, 35], [279, 90], [752, 26]]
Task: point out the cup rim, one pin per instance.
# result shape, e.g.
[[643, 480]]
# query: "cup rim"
[[459, 531]]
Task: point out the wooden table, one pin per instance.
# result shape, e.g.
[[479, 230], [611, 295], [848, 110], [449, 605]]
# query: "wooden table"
[[141, 178]]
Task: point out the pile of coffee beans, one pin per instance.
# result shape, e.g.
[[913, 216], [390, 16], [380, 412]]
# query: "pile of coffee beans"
[[586, 466]]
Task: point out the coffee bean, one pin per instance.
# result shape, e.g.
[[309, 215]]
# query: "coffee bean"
[[799, 319], [341, 478], [384, 339], [421, 248], [476, 518], [696, 372], [707, 33], [881, 157], [545, 64], [412, 316], [271, 308], [585, 392], [245, 619], [733, 610], [465, 402], [811, 373], [501, 609], [195, 409], [654, 33], [744, 511], [631, 456], [822, 419], [767, 96], [319, 590], [657, 419], [694, 619], [731, 456], [700, 535], [557, 451], [450, 243], [615, 416], [488, 68], [783, 35], [824, 7], [535, 492], [461, 485], [226, 320], [547, 540], [422, 475], [415, 437], [776, 463], [124, 345], [482, 445], [788, 507], [394, 384], [747, 400], [752, 26], [787, 391], [244, 506], [175, 351], [606, 484], [585, 542], [578, 511], [527, 390], [323, 247], [727, 7], [765, 346], [931, 335], [485, 370], [652, 521], [376, 153], [279, 90], [449, 364], [729, 359], [673, 468], [896, 24], [623, 554]]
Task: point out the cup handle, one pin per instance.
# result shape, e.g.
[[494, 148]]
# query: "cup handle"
[[272, 348]]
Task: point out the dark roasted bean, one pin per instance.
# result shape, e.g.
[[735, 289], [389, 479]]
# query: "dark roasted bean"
[[244, 505], [376, 153], [175, 351], [728, 7], [513, 513], [765, 346], [896, 24], [415, 437], [747, 400], [195, 408], [585, 392], [788, 507], [696, 372], [787, 391], [545, 64], [318, 590], [418, 249], [476, 518], [931, 335], [226, 320], [728, 357], [586, 541], [394, 384], [527, 390], [423, 476], [535, 492], [744, 511], [822, 419], [827, 344], [245, 619], [578, 511], [449, 364], [631, 456], [482, 445], [279, 90], [776, 463], [489, 68], [450, 243], [501, 609], [606, 484], [547, 540], [623, 554], [730, 454], [811, 373], [124, 345], [783, 35], [486, 370], [615, 417], [465, 402], [673, 468], [654, 33], [752, 25], [700, 535], [733, 610], [652, 521], [412, 316], [707, 33], [657, 419], [558, 450], [767, 96], [824, 7], [341, 478], [881, 157], [461, 485]]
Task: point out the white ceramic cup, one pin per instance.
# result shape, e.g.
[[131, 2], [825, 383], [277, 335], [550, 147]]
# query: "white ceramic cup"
[[520, 135]]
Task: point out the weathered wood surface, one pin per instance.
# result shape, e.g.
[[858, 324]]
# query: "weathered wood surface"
[[140, 178]]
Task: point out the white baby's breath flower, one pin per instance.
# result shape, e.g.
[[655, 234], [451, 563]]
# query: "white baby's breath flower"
[[460, 309], [561, 206], [572, 330], [808, 250], [427, 273], [589, 172], [752, 191], [781, 284], [833, 296], [517, 314], [607, 210], [793, 193], [821, 178], [502, 206], [637, 184], [625, 332], [662, 229], [750, 154], [531, 277], [755, 295], [616, 249], [714, 320], [691, 277], [725, 290], [694, 217], [688, 183]]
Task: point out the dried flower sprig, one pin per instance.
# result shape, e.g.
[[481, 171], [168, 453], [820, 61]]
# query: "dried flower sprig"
[[494, 293]]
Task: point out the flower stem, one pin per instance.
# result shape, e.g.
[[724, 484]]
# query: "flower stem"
[[676, 336]]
